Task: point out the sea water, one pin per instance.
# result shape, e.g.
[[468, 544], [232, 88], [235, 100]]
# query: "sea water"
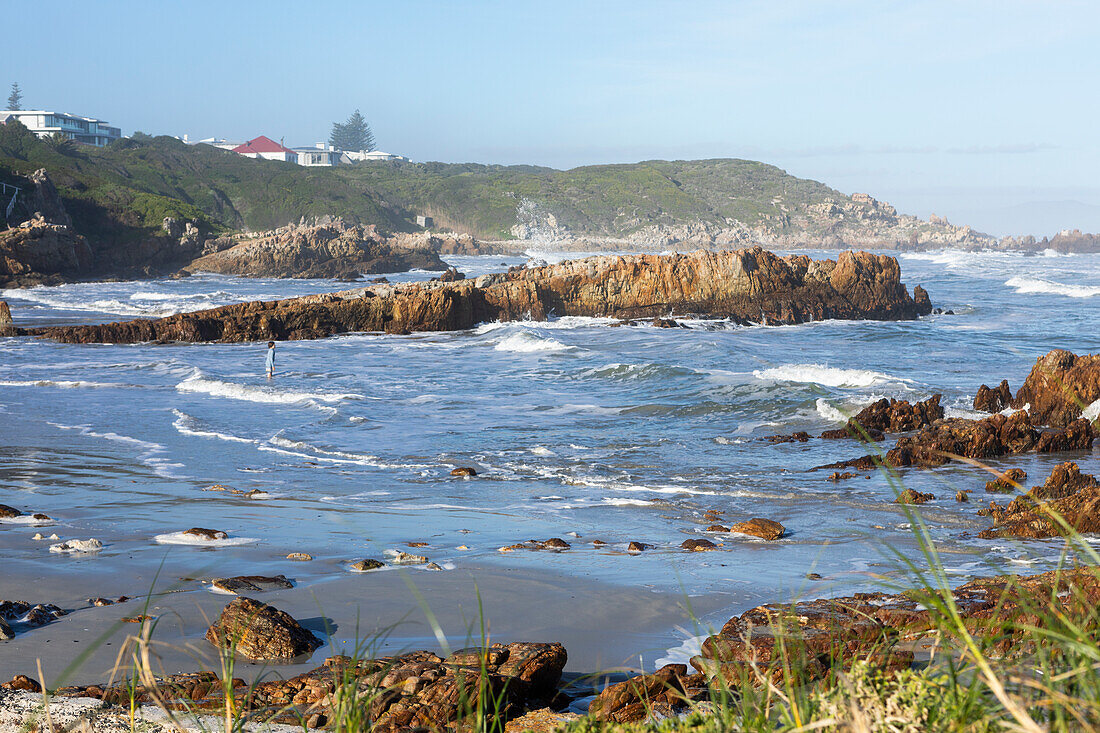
[[577, 428]]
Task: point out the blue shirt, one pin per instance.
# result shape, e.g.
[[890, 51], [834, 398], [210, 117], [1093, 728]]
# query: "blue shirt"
[[271, 359]]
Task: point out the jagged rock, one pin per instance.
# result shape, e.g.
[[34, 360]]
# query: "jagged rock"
[[962, 497], [331, 248], [7, 325], [463, 471], [1008, 482], [750, 285], [993, 400], [24, 683], [1059, 387], [637, 547], [990, 437], [1068, 493], [259, 631], [7, 512], [765, 529], [251, 583], [889, 416]]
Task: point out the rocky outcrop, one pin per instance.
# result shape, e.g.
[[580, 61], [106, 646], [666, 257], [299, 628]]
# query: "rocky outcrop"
[[747, 286], [1059, 387], [889, 416], [327, 249], [1069, 501], [448, 243], [259, 631], [991, 437], [993, 399], [7, 325]]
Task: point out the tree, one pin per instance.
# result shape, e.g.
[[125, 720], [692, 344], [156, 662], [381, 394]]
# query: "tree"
[[60, 142], [15, 99], [354, 134]]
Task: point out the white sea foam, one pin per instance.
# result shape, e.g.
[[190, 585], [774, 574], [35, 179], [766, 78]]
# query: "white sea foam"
[[1032, 285], [825, 375], [827, 411], [265, 395], [1092, 411], [181, 538], [26, 519], [539, 450], [682, 654], [528, 343]]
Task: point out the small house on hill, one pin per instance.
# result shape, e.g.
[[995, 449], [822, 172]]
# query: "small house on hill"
[[266, 148]]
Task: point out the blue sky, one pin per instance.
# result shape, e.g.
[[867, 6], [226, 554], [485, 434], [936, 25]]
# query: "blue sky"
[[982, 111]]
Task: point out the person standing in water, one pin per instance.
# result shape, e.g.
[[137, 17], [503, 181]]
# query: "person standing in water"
[[270, 359]]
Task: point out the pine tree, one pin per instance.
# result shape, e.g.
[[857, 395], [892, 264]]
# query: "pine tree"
[[353, 135], [15, 99]]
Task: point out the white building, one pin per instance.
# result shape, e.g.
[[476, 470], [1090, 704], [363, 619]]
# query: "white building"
[[321, 155], [266, 148], [87, 130], [217, 142], [363, 155]]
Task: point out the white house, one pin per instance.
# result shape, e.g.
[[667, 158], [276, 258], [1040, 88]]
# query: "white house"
[[321, 155], [217, 142], [266, 148], [87, 130]]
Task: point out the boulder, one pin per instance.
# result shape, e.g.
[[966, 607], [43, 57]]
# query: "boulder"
[[259, 631], [7, 512], [993, 400], [206, 534], [910, 496], [1067, 493], [363, 566], [1059, 387], [251, 584], [765, 529], [463, 471], [641, 696], [698, 545]]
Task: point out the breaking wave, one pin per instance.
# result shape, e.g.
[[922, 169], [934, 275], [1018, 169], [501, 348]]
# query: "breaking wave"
[[527, 343], [825, 375], [266, 395], [1034, 285]]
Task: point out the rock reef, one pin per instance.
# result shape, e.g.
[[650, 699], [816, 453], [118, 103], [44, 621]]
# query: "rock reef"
[[746, 286], [1060, 386]]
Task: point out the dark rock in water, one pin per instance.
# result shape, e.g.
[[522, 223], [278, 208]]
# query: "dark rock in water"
[[993, 400], [637, 547], [25, 616], [554, 544], [666, 323], [259, 631], [6, 633], [765, 529], [745, 286], [206, 534], [1059, 386], [717, 528], [838, 476], [251, 583], [1067, 494], [962, 497], [463, 471], [910, 496], [889, 416], [799, 437], [7, 325], [698, 545], [452, 275], [1008, 482], [7, 512], [639, 697], [101, 601]]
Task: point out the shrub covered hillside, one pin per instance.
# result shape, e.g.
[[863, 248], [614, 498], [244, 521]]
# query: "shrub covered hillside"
[[124, 192]]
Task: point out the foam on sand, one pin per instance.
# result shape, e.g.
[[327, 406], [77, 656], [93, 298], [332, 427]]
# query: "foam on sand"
[[824, 375], [182, 538], [1035, 285], [89, 545]]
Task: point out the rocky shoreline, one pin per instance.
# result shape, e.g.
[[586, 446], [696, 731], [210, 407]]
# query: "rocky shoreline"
[[746, 286]]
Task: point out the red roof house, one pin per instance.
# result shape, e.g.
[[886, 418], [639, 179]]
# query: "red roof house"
[[266, 148]]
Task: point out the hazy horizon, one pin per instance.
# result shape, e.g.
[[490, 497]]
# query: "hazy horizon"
[[977, 112]]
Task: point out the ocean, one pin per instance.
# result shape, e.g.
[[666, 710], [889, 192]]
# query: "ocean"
[[577, 428]]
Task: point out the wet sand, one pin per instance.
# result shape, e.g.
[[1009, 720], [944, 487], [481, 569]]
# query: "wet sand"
[[603, 627]]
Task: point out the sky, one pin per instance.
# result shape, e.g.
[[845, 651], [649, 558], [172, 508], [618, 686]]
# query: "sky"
[[984, 112]]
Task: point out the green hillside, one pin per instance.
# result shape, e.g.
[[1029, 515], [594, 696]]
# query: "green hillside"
[[123, 192]]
